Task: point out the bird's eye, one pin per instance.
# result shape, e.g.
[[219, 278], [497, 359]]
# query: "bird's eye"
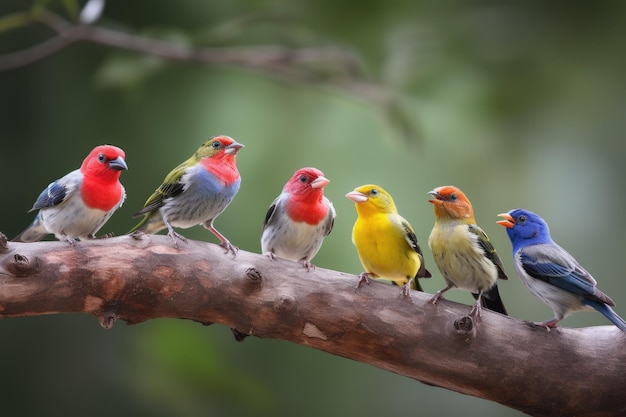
[[216, 144], [303, 179], [521, 219], [101, 157], [374, 192], [453, 197]]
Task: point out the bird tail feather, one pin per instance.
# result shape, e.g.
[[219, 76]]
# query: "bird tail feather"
[[151, 223], [607, 312], [33, 233]]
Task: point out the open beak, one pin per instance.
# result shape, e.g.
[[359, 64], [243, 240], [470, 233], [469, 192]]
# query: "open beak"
[[438, 200], [508, 221], [233, 148], [320, 182], [356, 196], [118, 163]]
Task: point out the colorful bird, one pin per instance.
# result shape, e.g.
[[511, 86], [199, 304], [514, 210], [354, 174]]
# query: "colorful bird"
[[385, 241], [551, 273], [77, 205], [299, 218], [195, 192], [462, 251]]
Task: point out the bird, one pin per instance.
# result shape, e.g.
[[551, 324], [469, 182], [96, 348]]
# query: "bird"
[[195, 192], [463, 252], [385, 241], [78, 204], [299, 219], [551, 273]]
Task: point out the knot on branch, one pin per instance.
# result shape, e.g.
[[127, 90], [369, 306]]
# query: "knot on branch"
[[465, 326], [238, 335], [253, 280], [284, 303], [22, 266], [106, 319], [254, 276]]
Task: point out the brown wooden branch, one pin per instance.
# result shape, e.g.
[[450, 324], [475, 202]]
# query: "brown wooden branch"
[[296, 64], [139, 277]]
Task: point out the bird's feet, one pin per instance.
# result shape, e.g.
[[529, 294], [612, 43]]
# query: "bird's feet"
[[363, 278], [406, 290], [308, 265], [438, 296], [174, 235], [548, 324], [475, 311], [104, 236], [228, 247], [270, 255]]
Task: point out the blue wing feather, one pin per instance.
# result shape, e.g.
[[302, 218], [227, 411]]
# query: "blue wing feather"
[[54, 194], [557, 267]]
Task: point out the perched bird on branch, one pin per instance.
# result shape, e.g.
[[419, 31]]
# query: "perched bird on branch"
[[77, 205], [298, 219], [195, 192], [385, 241], [462, 251], [551, 273]]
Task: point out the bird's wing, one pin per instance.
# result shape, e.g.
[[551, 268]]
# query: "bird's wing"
[[58, 191], [411, 238], [330, 218], [171, 187], [269, 216], [552, 264], [488, 249]]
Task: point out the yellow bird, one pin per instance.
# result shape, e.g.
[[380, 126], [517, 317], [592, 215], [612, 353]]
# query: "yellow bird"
[[385, 241]]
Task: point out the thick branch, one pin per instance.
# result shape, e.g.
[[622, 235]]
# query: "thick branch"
[[140, 277]]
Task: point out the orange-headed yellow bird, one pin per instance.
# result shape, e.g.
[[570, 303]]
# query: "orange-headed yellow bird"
[[462, 251], [386, 243]]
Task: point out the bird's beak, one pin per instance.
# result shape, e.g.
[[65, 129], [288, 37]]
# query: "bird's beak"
[[508, 221], [320, 182], [356, 196], [118, 163], [438, 198], [233, 148]]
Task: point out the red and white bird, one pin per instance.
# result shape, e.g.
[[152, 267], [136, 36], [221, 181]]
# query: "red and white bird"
[[77, 205], [299, 218]]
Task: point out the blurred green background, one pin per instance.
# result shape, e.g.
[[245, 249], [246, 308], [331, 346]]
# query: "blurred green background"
[[520, 104]]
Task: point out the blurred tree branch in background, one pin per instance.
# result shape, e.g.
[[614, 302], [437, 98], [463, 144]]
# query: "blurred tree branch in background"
[[334, 67], [139, 277]]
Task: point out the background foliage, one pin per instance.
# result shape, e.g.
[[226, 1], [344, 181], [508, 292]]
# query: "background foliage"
[[520, 104]]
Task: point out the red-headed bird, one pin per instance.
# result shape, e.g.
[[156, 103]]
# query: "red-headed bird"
[[462, 251], [385, 241], [299, 218], [195, 192], [77, 205]]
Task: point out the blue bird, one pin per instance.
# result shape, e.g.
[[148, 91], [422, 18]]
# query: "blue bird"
[[551, 273]]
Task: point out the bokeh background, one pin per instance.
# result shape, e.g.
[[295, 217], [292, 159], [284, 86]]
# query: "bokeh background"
[[520, 104]]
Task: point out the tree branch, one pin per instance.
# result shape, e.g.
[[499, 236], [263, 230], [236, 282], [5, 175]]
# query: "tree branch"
[[329, 66], [268, 59], [139, 277]]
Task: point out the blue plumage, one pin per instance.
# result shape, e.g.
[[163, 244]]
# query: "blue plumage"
[[551, 273]]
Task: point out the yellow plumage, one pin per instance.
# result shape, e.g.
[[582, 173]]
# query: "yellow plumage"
[[385, 241]]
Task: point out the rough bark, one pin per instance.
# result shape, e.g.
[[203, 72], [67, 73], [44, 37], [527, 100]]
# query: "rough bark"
[[575, 372]]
